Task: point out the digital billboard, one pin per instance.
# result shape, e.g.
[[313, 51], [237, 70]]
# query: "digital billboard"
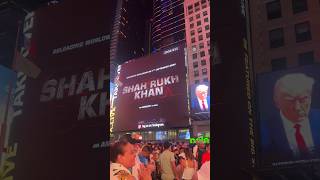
[[152, 92], [7, 87], [200, 99], [289, 108], [60, 120]]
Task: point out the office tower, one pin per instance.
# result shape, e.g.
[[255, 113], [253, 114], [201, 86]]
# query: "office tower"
[[129, 29], [285, 34], [168, 25]]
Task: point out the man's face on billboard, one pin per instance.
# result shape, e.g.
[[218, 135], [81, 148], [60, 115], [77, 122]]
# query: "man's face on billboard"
[[202, 92], [295, 107]]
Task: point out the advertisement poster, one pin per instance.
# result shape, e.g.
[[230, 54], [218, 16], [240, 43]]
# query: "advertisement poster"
[[289, 104], [7, 87], [200, 99], [60, 124], [153, 92]]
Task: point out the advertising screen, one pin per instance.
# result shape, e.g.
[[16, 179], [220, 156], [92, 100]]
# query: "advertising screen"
[[7, 87], [184, 134], [112, 86], [60, 121], [289, 105], [200, 99], [152, 92]]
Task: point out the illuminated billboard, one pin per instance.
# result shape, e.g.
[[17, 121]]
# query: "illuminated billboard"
[[152, 92], [61, 114], [7, 87], [200, 99], [289, 104]]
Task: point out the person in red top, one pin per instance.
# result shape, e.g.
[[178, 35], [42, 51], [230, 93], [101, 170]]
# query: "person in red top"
[[206, 155]]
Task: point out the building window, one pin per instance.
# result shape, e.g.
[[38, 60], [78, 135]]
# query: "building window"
[[197, 6], [279, 64], [303, 32], [205, 13], [196, 81], [205, 80], [203, 1], [207, 35], [194, 56], [191, 25], [208, 43], [193, 40], [199, 23], [276, 38], [191, 19], [299, 6], [196, 73], [306, 58], [203, 62], [192, 33], [204, 6], [198, 16], [273, 9], [201, 45], [206, 19], [190, 7], [207, 27], [204, 71], [190, 12], [195, 64], [194, 48], [200, 38], [200, 30], [202, 54]]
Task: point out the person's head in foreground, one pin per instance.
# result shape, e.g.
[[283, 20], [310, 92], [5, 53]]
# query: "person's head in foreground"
[[188, 154], [202, 92], [132, 139], [146, 151], [166, 145], [208, 148], [292, 96], [123, 153]]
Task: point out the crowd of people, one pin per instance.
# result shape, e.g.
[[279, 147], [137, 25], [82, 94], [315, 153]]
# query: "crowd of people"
[[132, 159]]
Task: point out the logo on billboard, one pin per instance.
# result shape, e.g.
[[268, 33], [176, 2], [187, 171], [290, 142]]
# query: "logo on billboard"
[[150, 89], [170, 50], [56, 89]]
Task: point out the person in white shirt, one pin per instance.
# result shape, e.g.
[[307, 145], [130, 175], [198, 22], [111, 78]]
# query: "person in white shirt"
[[295, 131], [203, 173]]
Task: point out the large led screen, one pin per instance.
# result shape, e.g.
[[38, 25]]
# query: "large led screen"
[[7, 87], [60, 117], [152, 92], [289, 104], [200, 99]]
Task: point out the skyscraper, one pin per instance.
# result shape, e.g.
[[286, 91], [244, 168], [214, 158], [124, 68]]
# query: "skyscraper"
[[168, 25], [10, 15], [285, 34], [197, 24], [197, 29], [128, 35]]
